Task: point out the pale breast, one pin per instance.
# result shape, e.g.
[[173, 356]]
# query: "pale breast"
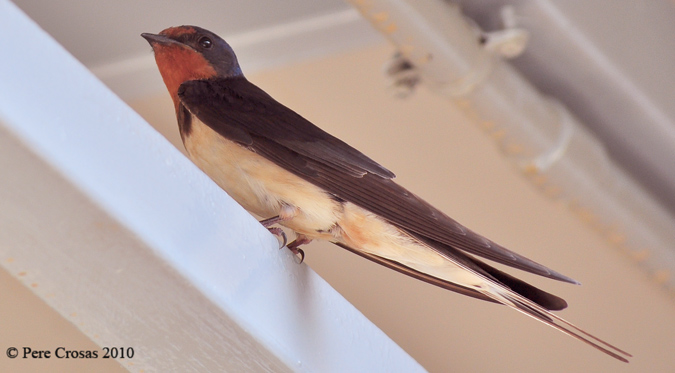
[[259, 185], [263, 188]]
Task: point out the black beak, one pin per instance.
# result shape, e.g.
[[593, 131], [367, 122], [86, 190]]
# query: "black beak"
[[158, 39]]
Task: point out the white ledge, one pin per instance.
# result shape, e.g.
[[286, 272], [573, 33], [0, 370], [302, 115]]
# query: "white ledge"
[[126, 238]]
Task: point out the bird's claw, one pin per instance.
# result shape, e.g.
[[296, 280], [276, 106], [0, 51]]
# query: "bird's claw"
[[299, 255], [279, 233], [294, 247]]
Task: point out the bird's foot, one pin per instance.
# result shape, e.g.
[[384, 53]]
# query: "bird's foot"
[[271, 221], [279, 233], [300, 240], [275, 230]]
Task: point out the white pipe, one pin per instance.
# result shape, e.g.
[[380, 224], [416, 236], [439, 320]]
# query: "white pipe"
[[541, 137]]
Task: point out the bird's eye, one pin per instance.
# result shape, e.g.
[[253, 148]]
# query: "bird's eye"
[[205, 42]]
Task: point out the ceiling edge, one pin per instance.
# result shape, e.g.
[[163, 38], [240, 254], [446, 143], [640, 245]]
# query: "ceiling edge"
[[259, 49]]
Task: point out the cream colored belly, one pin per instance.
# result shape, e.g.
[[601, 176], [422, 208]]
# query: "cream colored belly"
[[267, 190], [261, 186]]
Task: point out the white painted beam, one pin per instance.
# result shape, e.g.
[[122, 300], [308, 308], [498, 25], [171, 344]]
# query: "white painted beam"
[[125, 237]]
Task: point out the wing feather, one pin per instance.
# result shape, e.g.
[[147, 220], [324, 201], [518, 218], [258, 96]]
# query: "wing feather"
[[246, 114]]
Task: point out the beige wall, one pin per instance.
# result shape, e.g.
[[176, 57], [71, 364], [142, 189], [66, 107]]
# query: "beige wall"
[[449, 161], [445, 159], [27, 321]]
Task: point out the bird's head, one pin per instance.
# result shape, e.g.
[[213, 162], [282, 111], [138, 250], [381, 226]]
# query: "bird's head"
[[186, 53]]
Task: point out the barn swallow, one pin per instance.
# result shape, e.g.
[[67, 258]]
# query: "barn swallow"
[[279, 166]]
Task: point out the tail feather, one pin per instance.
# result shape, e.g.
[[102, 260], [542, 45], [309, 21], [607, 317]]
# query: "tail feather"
[[529, 308], [500, 287], [501, 293], [546, 300], [476, 266], [398, 267]]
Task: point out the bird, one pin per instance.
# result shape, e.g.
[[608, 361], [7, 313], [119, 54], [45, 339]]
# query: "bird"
[[286, 170]]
